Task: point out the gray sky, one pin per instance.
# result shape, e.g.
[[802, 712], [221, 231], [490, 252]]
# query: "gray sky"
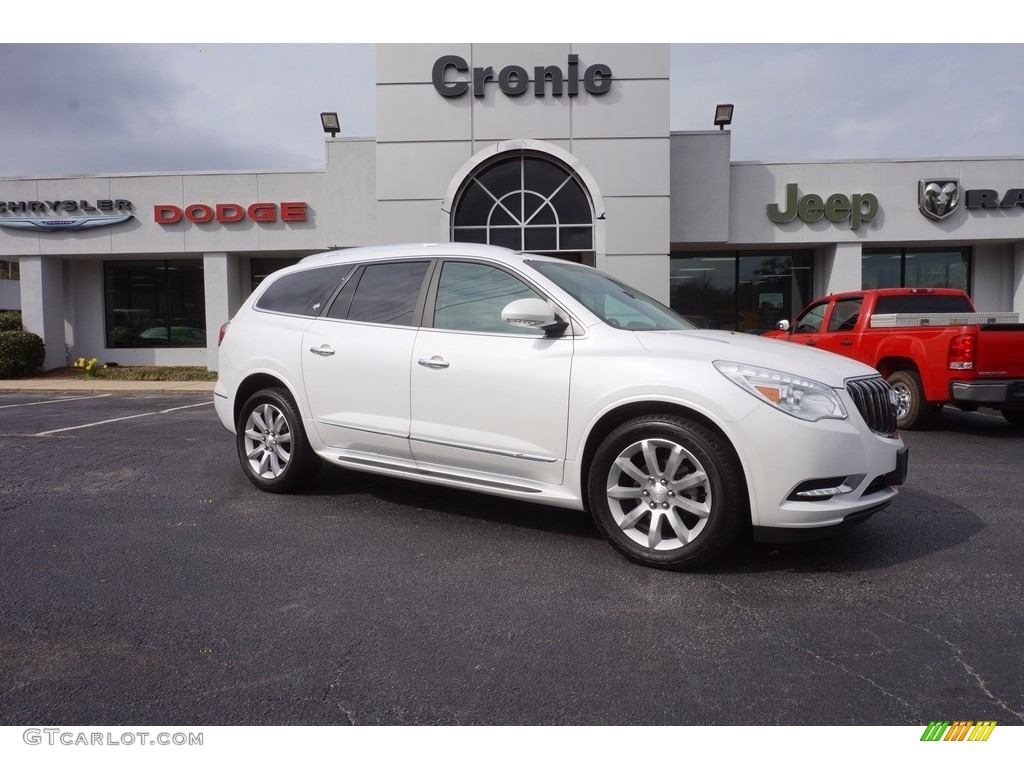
[[72, 106]]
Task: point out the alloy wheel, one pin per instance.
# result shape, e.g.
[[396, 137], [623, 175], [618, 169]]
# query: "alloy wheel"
[[659, 494]]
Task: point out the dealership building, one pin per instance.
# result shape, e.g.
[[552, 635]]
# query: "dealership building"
[[557, 149]]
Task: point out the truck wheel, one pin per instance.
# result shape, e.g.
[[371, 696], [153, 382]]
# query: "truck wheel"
[[911, 410], [1016, 418], [667, 492]]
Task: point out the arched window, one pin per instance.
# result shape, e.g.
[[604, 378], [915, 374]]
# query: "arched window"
[[526, 202]]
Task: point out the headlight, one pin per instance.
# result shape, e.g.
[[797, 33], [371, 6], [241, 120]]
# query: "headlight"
[[797, 396]]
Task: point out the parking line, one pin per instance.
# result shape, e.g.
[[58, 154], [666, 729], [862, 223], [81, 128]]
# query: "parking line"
[[61, 400], [121, 418]]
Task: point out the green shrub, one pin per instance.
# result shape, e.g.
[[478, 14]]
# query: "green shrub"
[[10, 321], [21, 353]]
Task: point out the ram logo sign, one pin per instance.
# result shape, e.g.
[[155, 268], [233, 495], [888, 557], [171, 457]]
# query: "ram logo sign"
[[938, 198]]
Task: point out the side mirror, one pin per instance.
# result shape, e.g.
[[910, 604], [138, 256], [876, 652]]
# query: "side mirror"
[[783, 325], [532, 313]]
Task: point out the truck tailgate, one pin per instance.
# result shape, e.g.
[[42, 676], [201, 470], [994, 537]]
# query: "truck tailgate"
[[1000, 351]]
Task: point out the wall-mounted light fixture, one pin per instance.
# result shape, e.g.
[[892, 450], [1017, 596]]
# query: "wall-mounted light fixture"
[[723, 115], [331, 123]]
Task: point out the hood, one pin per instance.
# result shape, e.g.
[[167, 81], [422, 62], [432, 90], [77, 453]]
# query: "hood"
[[825, 367]]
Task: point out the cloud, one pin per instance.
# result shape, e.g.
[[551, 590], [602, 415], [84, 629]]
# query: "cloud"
[[96, 108], [820, 102], [84, 109]]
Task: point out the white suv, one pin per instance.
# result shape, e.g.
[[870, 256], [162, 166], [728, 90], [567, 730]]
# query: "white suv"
[[535, 378]]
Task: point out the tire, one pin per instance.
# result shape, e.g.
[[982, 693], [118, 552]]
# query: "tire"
[[667, 492], [272, 444], [1016, 418], [911, 409]]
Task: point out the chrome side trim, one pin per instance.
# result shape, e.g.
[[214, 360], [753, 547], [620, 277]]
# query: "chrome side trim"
[[329, 423], [442, 443], [492, 451], [476, 481], [392, 466], [412, 472]]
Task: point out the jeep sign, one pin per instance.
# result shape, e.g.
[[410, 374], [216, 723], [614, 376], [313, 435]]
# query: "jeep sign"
[[856, 208]]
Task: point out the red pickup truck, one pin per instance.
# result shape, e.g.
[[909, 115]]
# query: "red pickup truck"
[[931, 344]]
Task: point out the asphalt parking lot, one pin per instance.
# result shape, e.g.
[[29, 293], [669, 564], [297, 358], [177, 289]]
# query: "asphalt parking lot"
[[146, 581]]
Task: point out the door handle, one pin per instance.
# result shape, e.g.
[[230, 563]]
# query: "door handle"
[[812, 343], [436, 362], [324, 350], [847, 342]]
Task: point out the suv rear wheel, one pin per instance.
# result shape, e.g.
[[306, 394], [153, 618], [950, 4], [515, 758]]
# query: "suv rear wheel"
[[272, 444]]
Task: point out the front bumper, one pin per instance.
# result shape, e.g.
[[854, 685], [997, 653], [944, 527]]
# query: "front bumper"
[[776, 535], [814, 475]]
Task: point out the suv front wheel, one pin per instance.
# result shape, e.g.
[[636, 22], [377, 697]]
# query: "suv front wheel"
[[272, 444], [666, 492]]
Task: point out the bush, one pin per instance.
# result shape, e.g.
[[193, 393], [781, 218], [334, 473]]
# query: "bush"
[[10, 321], [21, 353]]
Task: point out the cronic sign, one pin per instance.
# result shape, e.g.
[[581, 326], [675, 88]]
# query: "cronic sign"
[[449, 78]]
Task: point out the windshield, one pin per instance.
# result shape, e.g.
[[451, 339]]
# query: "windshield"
[[615, 303]]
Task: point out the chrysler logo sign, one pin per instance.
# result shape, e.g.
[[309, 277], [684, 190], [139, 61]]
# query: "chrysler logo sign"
[[62, 214], [54, 225], [938, 198]]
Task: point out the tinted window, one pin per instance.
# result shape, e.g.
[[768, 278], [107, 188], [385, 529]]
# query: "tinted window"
[[615, 303], [844, 314], [470, 297], [810, 321], [339, 307], [303, 293], [921, 302], [262, 268], [387, 293]]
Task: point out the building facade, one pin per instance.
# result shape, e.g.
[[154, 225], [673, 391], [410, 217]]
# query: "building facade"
[[557, 149]]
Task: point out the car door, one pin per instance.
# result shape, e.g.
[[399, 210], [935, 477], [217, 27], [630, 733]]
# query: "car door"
[[838, 336], [488, 399], [356, 360]]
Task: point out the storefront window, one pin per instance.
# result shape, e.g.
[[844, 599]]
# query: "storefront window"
[[916, 268], [154, 303], [747, 292], [703, 290], [527, 203]]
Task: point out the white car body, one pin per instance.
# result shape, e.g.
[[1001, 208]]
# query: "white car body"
[[524, 416]]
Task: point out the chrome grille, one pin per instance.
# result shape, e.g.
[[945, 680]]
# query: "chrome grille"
[[876, 402]]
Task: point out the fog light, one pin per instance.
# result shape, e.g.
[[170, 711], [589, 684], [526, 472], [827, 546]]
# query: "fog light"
[[825, 488]]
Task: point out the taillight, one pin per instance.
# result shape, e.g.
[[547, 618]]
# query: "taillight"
[[961, 352], [223, 330]]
